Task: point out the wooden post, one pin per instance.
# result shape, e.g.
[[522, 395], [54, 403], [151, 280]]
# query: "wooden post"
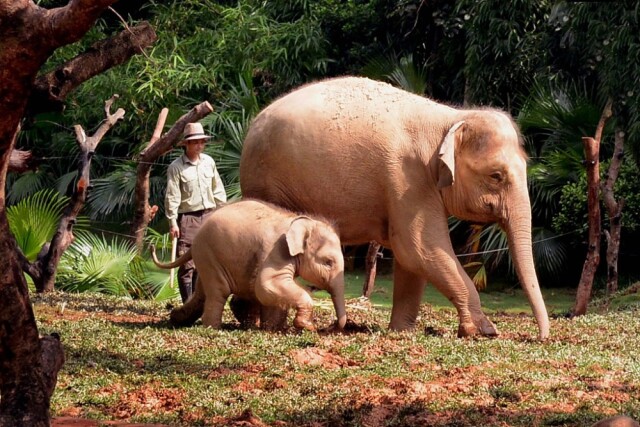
[[370, 268]]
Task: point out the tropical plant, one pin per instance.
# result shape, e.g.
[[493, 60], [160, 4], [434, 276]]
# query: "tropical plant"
[[34, 220], [402, 72], [94, 263], [504, 49]]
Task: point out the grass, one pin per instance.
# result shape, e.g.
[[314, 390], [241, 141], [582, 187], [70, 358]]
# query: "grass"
[[125, 362], [508, 300]]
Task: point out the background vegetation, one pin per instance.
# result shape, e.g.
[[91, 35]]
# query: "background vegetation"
[[551, 64]]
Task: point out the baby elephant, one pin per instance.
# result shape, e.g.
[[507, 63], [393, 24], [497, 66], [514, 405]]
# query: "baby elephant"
[[254, 250]]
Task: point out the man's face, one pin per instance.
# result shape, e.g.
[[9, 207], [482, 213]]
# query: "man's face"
[[195, 147]]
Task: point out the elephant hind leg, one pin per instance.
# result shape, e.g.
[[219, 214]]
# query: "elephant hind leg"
[[407, 295], [189, 312], [216, 298], [246, 311]]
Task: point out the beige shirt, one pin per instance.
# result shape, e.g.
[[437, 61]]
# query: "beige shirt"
[[192, 186]]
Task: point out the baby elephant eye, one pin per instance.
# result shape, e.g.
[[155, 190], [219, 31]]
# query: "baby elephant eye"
[[329, 262]]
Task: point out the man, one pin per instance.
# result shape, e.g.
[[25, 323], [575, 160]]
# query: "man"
[[194, 190]]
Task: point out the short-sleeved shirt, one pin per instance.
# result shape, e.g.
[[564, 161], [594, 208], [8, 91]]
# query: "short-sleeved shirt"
[[192, 186]]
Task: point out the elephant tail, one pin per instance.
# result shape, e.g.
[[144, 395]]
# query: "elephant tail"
[[177, 263], [190, 311]]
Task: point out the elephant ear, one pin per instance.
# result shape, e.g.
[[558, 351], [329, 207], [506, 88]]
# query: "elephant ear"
[[297, 235], [447, 168]]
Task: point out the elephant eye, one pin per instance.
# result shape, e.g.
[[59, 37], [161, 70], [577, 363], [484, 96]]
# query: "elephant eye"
[[328, 262], [497, 176]]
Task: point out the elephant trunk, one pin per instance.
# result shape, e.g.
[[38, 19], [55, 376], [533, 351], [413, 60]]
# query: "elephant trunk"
[[337, 296], [518, 228]]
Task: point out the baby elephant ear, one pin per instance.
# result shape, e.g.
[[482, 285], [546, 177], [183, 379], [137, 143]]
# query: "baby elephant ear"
[[297, 235], [447, 168]]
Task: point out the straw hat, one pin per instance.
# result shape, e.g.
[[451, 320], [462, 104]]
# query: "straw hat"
[[193, 131]]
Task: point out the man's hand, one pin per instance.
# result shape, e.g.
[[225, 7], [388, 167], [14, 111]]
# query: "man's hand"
[[174, 232]]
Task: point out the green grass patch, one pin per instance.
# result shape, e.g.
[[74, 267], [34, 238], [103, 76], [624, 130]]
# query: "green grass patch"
[[509, 300], [125, 363]]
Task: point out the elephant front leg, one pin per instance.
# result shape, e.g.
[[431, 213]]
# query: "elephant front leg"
[[407, 295], [273, 318], [447, 279], [479, 319], [283, 291]]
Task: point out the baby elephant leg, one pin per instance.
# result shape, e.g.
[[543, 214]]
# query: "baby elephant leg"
[[273, 318], [286, 293], [246, 311], [213, 307]]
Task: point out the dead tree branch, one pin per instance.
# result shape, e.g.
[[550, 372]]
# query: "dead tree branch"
[[43, 270], [592, 162], [614, 209], [50, 90]]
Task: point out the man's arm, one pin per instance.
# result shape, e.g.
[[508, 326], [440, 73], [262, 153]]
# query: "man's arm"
[[219, 194]]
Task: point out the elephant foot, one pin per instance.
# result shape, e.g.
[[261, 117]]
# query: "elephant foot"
[[467, 329], [486, 326], [247, 312], [303, 319]]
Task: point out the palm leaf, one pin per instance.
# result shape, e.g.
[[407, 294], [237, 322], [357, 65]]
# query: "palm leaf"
[[94, 264], [34, 220]]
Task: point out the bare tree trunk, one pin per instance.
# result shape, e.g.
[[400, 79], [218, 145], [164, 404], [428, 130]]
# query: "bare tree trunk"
[[592, 150], [614, 209], [370, 268], [592, 161], [29, 34], [158, 146], [43, 270]]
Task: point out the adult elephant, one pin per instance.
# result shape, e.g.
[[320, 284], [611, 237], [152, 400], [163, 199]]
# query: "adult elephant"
[[391, 166]]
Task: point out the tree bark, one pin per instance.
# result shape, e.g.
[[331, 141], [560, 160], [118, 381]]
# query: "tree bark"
[[370, 268], [592, 161], [592, 150], [614, 209], [156, 148], [29, 34], [43, 270]]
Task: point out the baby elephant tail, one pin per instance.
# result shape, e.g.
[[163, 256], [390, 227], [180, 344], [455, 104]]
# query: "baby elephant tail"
[[177, 263], [190, 311]]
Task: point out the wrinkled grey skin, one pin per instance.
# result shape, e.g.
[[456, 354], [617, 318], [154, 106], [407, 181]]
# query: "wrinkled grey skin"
[[391, 167], [255, 250]]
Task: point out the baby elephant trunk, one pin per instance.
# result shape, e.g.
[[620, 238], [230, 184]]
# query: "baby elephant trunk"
[[337, 296]]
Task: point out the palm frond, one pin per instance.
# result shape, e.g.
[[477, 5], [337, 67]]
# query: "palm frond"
[[94, 264], [26, 185], [113, 193], [34, 220], [401, 72]]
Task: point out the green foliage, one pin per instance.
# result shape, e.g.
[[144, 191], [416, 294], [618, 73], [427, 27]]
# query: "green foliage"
[[602, 41], [573, 213], [504, 48], [402, 73], [554, 119], [34, 221], [112, 266]]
